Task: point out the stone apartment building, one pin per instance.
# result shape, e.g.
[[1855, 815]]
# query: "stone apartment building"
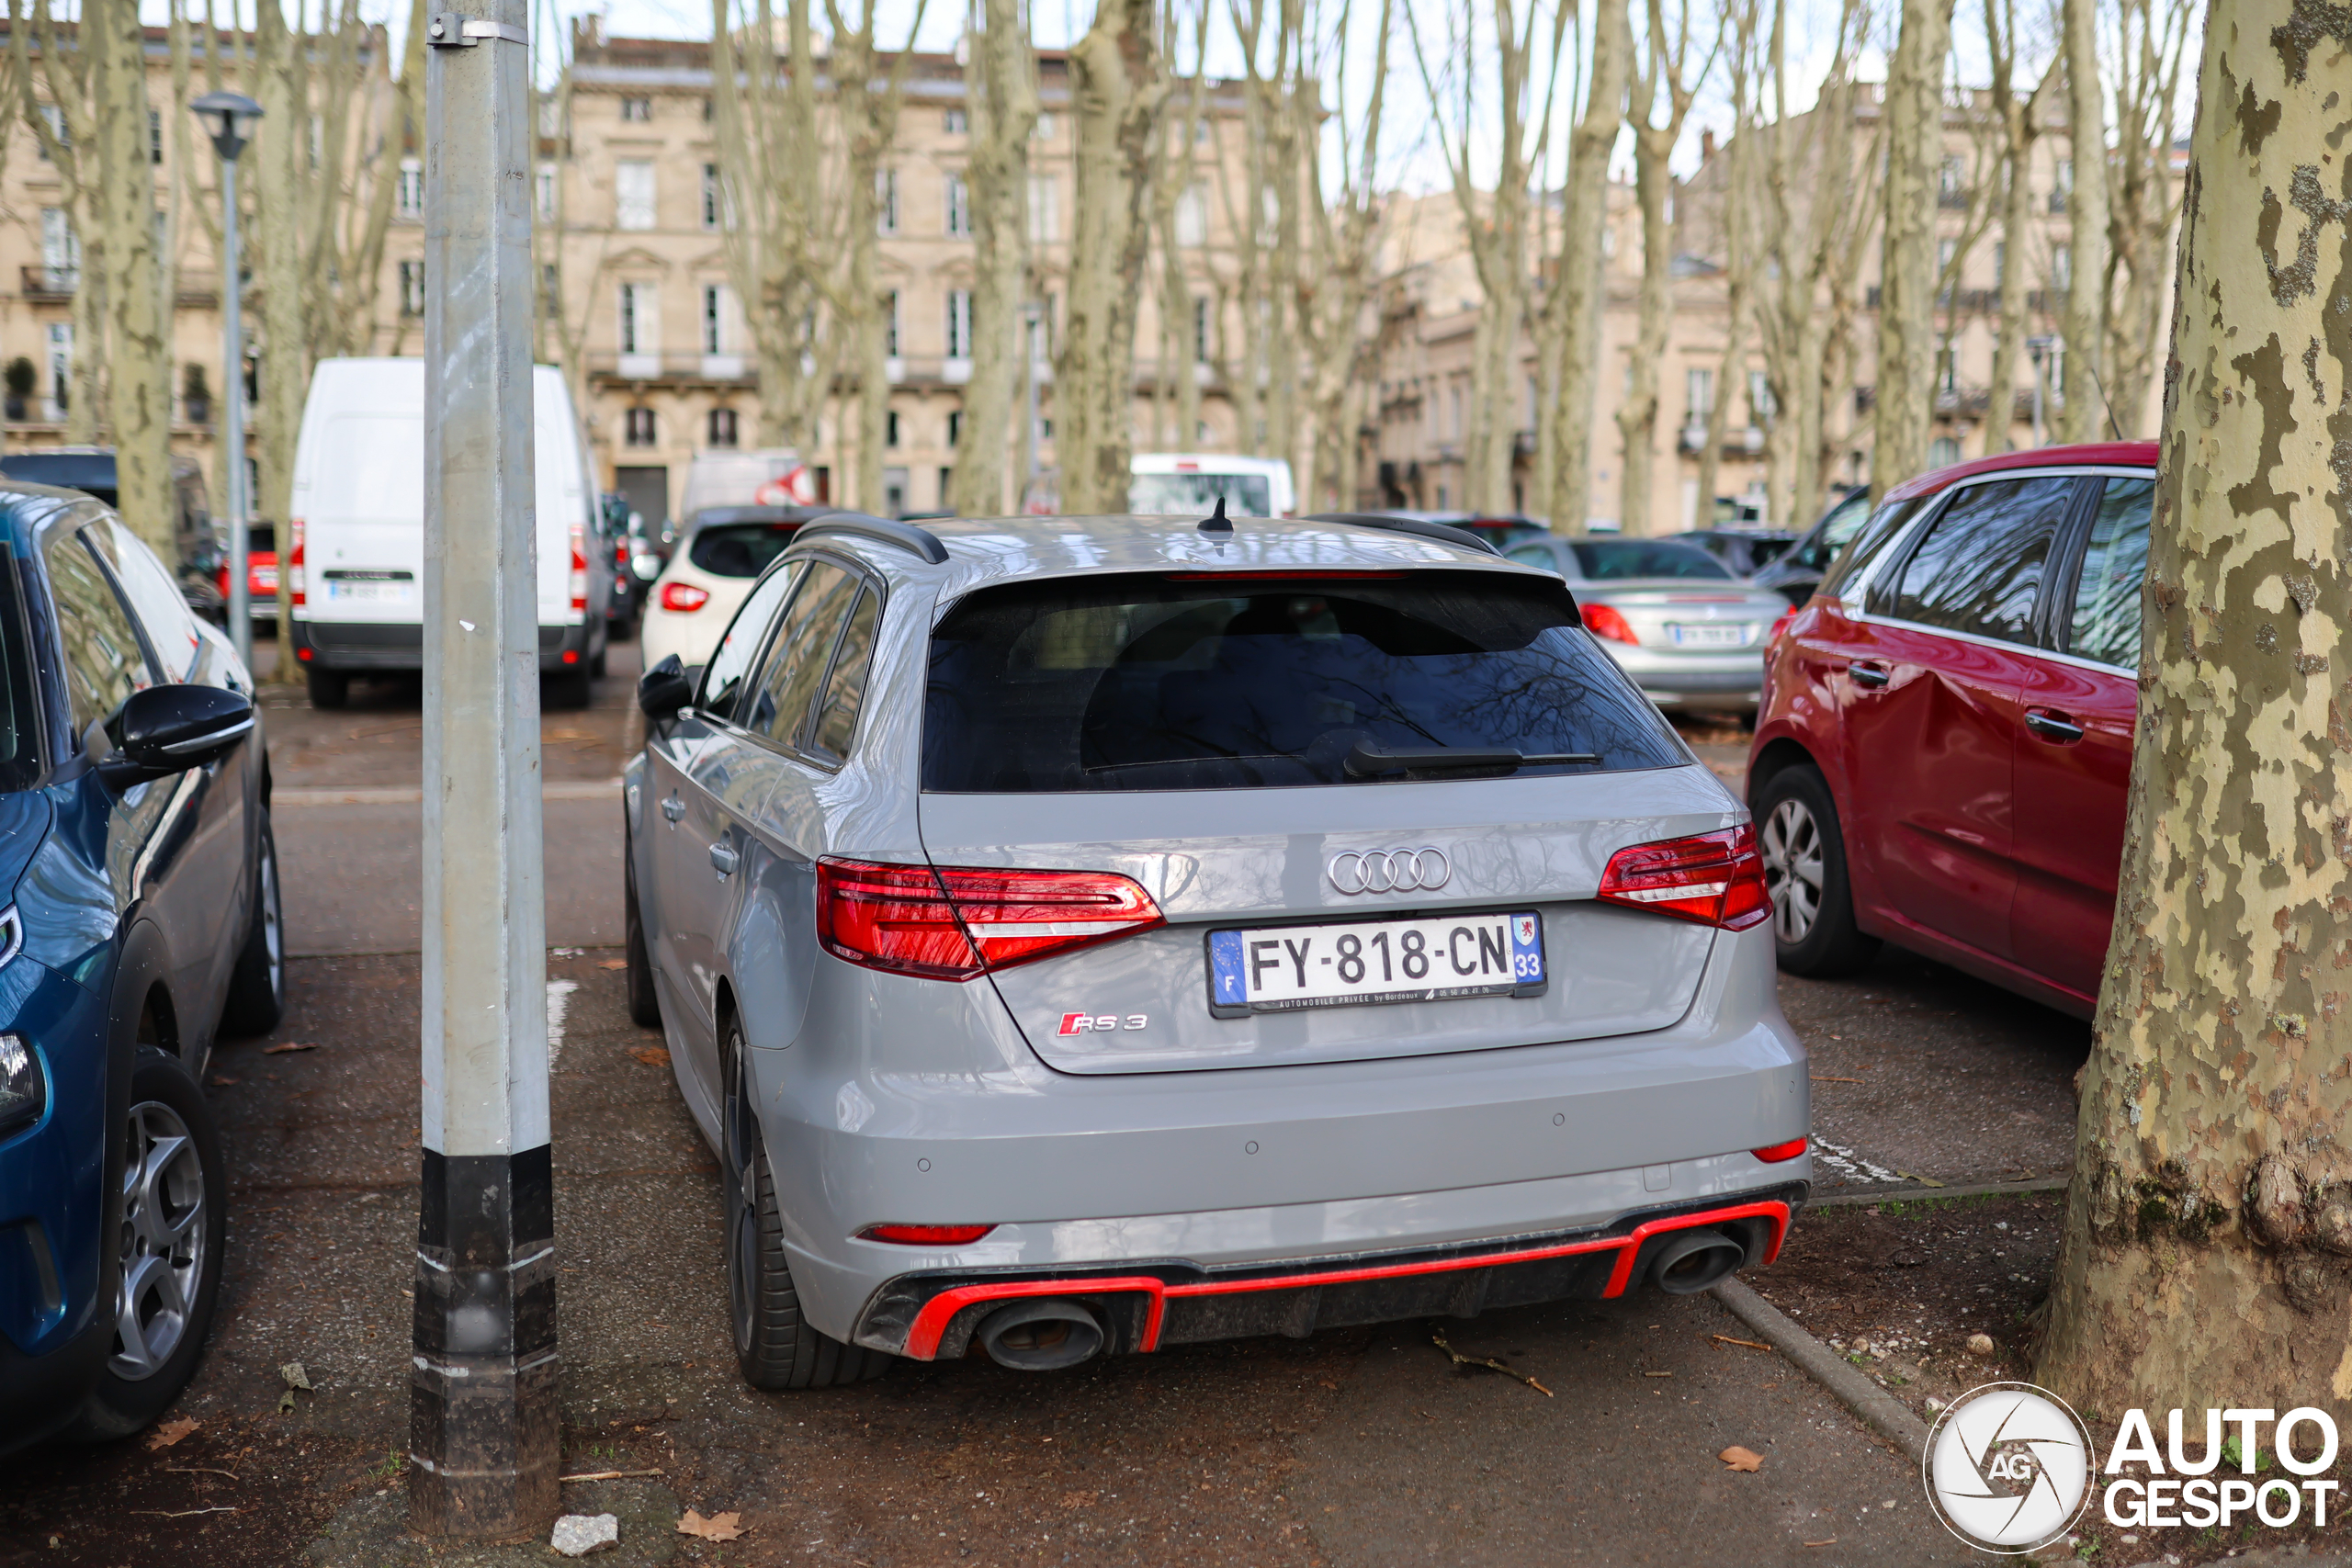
[[1412, 448]]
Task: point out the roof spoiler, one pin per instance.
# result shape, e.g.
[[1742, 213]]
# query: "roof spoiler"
[[1443, 532], [920, 542]]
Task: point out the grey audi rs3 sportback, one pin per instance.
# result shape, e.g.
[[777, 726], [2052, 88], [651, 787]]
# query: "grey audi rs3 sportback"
[[1083, 935]]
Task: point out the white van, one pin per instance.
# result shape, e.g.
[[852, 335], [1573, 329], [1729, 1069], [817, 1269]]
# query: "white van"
[[357, 569], [1177, 484]]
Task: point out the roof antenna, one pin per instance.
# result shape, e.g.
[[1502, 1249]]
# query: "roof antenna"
[[1217, 522]]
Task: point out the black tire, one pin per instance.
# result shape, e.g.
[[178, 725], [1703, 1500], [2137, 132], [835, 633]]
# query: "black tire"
[[165, 1276], [329, 688], [644, 1001], [773, 1344], [257, 986], [1805, 864], [596, 664]]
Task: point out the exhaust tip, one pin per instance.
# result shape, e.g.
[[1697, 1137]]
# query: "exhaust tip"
[[1694, 1260], [1041, 1337]]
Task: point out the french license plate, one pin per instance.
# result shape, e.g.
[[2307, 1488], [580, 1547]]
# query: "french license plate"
[[1285, 968], [367, 591], [1709, 636]]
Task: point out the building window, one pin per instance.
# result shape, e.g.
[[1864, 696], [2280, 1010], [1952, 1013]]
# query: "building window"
[[1044, 209], [154, 137], [2000, 263], [60, 249], [640, 320], [1762, 408], [61, 363], [1952, 179], [1699, 394], [1193, 216], [2062, 267], [547, 193], [638, 110], [957, 123], [890, 327], [633, 194], [954, 429], [1942, 452], [710, 198], [886, 201], [960, 323], [714, 316], [1045, 131], [890, 428], [408, 198], [946, 483], [722, 427], [638, 429], [1200, 329], [709, 111], [411, 288], [550, 117], [960, 207], [55, 117], [550, 289]]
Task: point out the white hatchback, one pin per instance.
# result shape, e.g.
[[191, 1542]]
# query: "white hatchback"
[[721, 553]]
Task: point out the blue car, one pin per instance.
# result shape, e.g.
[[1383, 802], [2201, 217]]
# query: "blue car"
[[139, 920]]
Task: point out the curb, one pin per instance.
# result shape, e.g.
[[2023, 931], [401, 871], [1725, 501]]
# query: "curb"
[[1908, 1191], [1879, 1410]]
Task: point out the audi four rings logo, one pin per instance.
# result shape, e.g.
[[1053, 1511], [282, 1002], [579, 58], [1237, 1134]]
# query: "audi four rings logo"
[[1389, 871]]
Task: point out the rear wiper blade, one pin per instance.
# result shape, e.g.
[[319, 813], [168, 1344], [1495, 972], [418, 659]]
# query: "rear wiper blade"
[[1366, 760]]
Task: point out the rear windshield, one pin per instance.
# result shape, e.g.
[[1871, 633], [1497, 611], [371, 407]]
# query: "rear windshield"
[[1610, 560], [1153, 683], [739, 549], [1181, 495], [92, 472]]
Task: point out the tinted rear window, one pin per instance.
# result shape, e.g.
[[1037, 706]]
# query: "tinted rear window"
[[1610, 560], [1146, 683], [739, 549], [89, 471]]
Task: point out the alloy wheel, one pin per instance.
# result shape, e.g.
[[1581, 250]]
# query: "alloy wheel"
[[162, 1248], [1792, 869], [273, 929]]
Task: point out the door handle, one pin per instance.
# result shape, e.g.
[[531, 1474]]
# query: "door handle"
[[673, 809], [2052, 725], [1872, 675], [724, 858]]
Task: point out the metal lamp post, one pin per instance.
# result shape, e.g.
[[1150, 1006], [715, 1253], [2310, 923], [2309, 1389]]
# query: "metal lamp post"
[[228, 118]]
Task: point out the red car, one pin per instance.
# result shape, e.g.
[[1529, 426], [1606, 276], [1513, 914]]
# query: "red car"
[[1945, 732]]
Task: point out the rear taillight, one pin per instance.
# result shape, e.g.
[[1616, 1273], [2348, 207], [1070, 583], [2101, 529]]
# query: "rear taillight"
[[952, 922], [1715, 879], [579, 570], [294, 574], [1780, 626], [684, 597], [1776, 1152], [1602, 620], [926, 1235]]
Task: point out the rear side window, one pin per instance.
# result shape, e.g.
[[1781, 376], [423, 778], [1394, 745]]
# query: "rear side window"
[[1869, 542], [1238, 681], [1979, 567], [845, 687], [803, 651], [1608, 560], [739, 549], [2106, 624], [722, 682], [104, 662]]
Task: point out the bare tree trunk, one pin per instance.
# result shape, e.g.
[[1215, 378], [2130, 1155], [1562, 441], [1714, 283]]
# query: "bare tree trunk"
[[1345, 235], [1115, 95], [1579, 289], [2143, 202], [276, 162], [61, 81], [1180, 353], [1740, 250], [1654, 190], [2210, 1167], [140, 369], [1906, 314], [2083, 416], [1003, 111]]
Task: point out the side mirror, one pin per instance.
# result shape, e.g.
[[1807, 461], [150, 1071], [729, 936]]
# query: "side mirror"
[[665, 689], [169, 729]]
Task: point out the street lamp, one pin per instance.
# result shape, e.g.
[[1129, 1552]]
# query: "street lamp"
[[228, 119]]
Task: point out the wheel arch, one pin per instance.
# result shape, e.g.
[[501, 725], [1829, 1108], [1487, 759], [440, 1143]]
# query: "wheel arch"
[[1777, 757]]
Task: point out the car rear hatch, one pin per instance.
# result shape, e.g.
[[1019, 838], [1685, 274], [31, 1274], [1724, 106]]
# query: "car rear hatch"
[[1323, 866], [363, 529], [1690, 620]]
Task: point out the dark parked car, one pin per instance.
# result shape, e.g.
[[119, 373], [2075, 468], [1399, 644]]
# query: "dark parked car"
[[202, 546], [1796, 570], [1946, 736], [613, 554], [138, 918], [1746, 551]]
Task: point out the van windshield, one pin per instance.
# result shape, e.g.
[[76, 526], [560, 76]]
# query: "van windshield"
[[1223, 682], [1184, 495]]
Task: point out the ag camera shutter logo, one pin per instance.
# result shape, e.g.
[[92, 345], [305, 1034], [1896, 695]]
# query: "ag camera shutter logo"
[[2008, 1468]]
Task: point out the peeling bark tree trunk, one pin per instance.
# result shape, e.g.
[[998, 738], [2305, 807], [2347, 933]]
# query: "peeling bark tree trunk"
[[2084, 320], [1579, 287], [2212, 1182], [1906, 317], [276, 162], [1653, 191], [1001, 96], [1115, 93], [140, 362]]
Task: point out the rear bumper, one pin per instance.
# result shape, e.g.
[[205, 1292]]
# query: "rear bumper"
[[360, 647], [933, 1315], [1709, 682]]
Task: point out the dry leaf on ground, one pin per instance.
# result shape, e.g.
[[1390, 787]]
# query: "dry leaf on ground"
[[280, 1050], [613, 964], [221, 1081], [1078, 1499], [170, 1432], [719, 1526], [1742, 1459], [651, 1055]]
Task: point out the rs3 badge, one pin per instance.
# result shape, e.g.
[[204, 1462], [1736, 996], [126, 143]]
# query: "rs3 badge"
[[1098, 1023]]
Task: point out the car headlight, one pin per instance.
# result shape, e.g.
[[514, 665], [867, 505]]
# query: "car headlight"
[[24, 1086]]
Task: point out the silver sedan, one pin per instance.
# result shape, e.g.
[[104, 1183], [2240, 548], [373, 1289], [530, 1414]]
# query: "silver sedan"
[[1673, 616]]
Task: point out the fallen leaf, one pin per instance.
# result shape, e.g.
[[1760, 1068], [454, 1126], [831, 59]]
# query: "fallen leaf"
[[719, 1526], [295, 1377], [170, 1432], [613, 964], [1922, 1181], [1742, 1459], [1078, 1499], [651, 1055], [219, 1081], [280, 1050]]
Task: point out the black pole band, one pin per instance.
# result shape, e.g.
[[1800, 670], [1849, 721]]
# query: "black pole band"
[[483, 1389]]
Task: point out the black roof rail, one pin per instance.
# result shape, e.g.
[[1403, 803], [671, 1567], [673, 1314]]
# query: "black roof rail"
[[1444, 534], [906, 536]]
